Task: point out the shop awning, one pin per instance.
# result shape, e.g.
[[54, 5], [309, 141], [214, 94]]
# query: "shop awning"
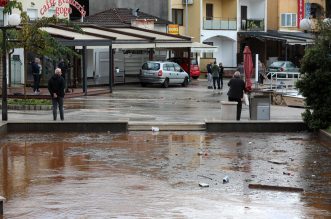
[[201, 47], [289, 38]]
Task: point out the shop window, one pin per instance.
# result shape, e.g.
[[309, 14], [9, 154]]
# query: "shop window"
[[288, 20], [32, 13], [51, 12], [177, 16]]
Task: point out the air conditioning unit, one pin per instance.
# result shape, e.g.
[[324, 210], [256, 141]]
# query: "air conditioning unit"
[[189, 2]]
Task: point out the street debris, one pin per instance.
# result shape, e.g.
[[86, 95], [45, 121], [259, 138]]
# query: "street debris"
[[207, 177], [278, 188], [279, 151], [287, 173], [155, 129], [277, 162], [200, 153], [225, 179], [204, 185]]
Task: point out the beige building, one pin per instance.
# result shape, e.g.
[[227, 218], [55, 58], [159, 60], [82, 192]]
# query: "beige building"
[[227, 23]]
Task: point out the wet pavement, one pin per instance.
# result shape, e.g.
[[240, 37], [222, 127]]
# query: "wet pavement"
[[134, 103], [157, 175]]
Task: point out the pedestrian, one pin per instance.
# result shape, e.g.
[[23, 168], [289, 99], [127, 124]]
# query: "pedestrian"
[[215, 74], [236, 91], [56, 88], [241, 69], [261, 72], [36, 73], [64, 68], [220, 75], [209, 75]]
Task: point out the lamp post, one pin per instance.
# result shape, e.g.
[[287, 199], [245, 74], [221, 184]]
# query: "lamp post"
[[13, 20]]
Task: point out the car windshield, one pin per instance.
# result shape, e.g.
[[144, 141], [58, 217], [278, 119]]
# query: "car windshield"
[[194, 62], [277, 64], [151, 66]]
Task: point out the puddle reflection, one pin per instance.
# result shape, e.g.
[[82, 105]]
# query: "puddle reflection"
[[143, 174]]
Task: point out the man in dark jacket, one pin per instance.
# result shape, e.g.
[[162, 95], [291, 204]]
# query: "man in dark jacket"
[[56, 87], [236, 91]]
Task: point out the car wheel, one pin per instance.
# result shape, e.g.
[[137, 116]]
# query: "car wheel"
[[143, 84], [166, 83], [195, 77], [185, 82]]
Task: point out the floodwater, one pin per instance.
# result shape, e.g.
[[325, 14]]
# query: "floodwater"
[[157, 175]]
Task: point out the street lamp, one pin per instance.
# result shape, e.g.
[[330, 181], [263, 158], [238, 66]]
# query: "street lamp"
[[13, 21]]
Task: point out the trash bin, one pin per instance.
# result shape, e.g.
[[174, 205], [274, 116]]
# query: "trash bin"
[[259, 107], [228, 110]]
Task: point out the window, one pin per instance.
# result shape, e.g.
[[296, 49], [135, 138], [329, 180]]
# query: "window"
[[288, 20], [32, 13], [177, 16], [209, 12], [51, 12]]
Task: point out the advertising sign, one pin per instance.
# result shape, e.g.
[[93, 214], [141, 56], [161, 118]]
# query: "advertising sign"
[[301, 11], [173, 29], [61, 7]]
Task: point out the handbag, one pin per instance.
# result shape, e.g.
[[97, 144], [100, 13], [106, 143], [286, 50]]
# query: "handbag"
[[246, 99]]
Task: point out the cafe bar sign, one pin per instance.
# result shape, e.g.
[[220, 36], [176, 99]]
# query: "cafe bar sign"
[[61, 7]]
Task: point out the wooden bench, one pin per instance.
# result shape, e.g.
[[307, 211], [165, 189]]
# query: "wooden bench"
[[2, 199]]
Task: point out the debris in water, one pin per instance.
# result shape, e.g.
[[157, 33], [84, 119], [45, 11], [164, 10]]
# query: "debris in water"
[[278, 188], [155, 129], [277, 162], [203, 185], [225, 179]]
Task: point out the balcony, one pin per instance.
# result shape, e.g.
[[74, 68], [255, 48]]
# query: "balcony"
[[217, 23], [252, 25]]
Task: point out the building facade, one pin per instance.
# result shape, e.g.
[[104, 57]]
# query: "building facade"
[[232, 24]]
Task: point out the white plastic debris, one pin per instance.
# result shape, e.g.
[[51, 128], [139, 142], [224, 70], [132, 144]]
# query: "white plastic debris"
[[155, 129], [203, 185], [225, 179]]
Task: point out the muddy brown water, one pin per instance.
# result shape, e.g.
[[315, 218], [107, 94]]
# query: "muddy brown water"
[[157, 175]]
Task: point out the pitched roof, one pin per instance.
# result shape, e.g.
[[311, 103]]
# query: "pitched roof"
[[120, 17]]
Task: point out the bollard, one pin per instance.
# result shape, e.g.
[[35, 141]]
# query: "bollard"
[[2, 199]]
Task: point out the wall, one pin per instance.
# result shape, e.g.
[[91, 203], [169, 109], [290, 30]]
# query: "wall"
[[157, 8], [272, 20], [229, 8]]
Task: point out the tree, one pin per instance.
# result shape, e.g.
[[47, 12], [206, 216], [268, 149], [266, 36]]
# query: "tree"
[[33, 39], [315, 83]]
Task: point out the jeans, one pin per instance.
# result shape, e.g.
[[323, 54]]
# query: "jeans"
[[239, 106], [215, 79], [36, 81], [220, 80], [58, 102]]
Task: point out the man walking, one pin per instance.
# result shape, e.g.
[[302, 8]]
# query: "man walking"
[[236, 91], [56, 86]]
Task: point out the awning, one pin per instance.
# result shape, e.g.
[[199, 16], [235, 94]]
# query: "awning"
[[201, 47], [289, 38]]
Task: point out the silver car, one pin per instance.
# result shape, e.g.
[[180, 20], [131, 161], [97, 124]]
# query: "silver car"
[[164, 73]]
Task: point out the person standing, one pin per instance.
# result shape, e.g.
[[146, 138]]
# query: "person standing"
[[56, 86], [36, 73], [64, 68], [215, 74], [220, 75], [209, 75], [261, 72], [236, 91]]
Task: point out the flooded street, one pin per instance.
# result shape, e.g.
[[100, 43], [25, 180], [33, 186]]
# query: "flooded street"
[[157, 175]]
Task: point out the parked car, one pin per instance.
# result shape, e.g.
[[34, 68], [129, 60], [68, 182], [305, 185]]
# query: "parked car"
[[283, 66], [183, 62], [164, 73]]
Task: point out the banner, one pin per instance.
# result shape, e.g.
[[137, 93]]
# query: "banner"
[[301, 11], [173, 29]]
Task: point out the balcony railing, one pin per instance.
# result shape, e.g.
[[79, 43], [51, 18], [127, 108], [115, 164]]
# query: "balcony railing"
[[217, 23], [252, 24]]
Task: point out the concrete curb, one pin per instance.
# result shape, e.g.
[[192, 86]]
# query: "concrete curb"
[[255, 126], [325, 137]]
